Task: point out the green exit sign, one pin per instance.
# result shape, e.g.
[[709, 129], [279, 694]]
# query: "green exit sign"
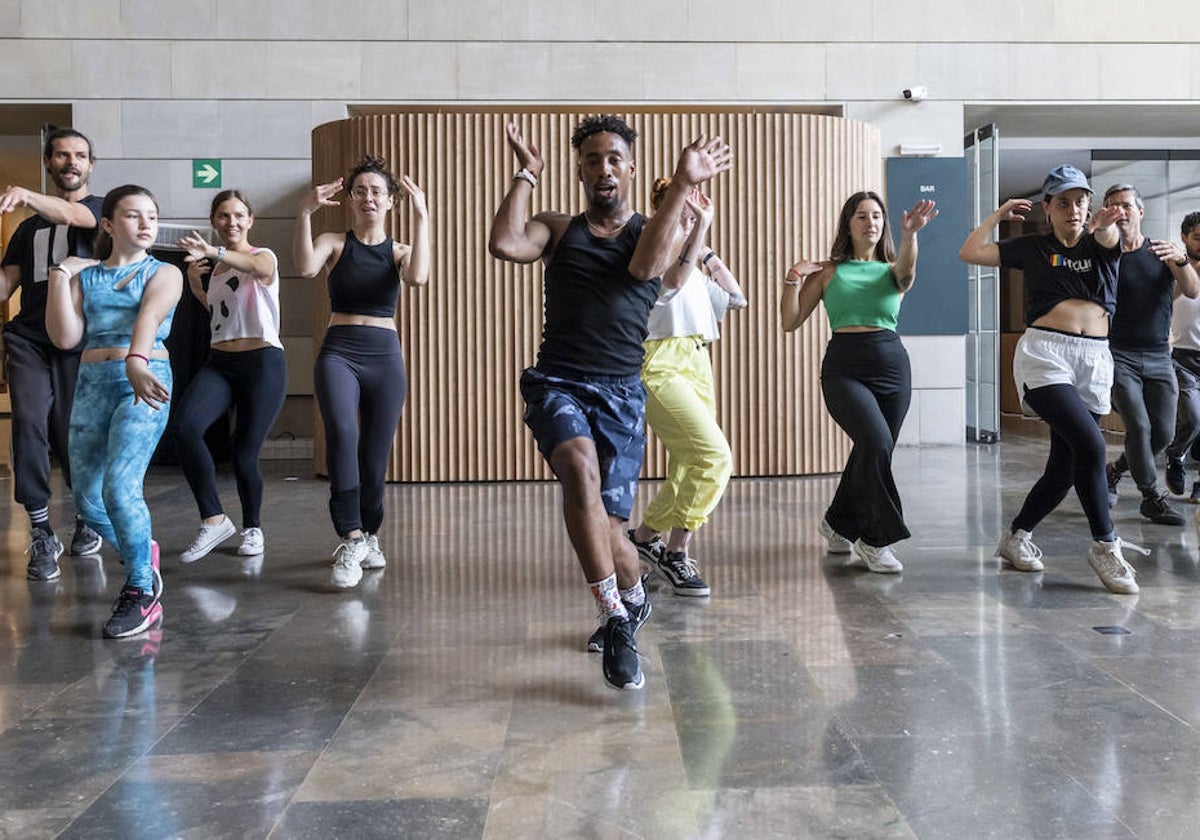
[[206, 172]]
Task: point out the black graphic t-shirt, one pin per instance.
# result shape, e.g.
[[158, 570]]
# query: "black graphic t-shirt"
[[1054, 272]]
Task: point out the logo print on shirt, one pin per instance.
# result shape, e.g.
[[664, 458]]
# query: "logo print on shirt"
[[1078, 266]]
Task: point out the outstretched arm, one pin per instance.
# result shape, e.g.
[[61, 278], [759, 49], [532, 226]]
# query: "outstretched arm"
[[1104, 226], [515, 237], [904, 269], [979, 249], [310, 256], [260, 263], [52, 208], [699, 162], [680, 270]]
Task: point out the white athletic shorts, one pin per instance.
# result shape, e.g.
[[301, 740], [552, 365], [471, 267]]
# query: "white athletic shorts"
[[1045, 357]]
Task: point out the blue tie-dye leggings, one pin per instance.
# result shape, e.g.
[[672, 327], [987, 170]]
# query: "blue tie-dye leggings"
[[110, 447]]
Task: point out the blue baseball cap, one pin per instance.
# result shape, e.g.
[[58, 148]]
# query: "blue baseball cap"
[[1064, 177]]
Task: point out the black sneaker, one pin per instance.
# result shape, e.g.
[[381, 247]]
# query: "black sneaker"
[[44, 551], [1159, 512], [1195, 497], [135, 612], [85, 541], [1114, 478], [637, 615], [622, 668], [649, 552], [681, 572], [1176, 476]]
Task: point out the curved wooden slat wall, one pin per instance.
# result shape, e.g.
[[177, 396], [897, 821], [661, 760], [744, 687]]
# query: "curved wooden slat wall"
[[468, 334]]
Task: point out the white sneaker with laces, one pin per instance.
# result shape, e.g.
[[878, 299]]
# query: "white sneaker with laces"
[[1017, 549], [879, 559], [374, 558], [252, 542], [347, 564], [1110, 565], [837, 543], [208, 538]]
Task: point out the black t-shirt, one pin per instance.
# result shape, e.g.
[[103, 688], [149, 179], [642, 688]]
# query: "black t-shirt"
[[1145, 294], [596, 311], [36, 245], [1054, 272]]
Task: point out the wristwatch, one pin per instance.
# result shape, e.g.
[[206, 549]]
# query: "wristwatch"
[[1182, 263]]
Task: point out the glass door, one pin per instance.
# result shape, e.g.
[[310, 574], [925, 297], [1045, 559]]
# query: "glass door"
[[983, 329]]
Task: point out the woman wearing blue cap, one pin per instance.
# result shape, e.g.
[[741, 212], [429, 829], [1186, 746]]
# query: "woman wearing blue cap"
[[1063, 368]]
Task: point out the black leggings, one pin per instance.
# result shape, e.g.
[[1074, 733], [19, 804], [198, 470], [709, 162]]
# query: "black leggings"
[[1077, 454], [255, 383], [361, 385], [867, 384]]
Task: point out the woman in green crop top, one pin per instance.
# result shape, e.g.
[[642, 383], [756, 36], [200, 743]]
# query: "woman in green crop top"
[[865, 376]]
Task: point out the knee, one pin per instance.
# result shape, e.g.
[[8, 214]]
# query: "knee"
[[577, 467]]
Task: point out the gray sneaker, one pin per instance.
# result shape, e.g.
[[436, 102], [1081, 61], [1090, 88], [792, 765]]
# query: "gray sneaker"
[[44, 552], [85, 541]]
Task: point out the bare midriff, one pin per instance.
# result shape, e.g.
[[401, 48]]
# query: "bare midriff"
[[110, 354], [1078, 317], [346, 319], [240, 345]]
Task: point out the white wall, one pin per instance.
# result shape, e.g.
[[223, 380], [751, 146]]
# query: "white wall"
[[159, 82]]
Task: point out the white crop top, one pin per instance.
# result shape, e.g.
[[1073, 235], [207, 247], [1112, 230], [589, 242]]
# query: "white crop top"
[[241, 307], [1185, 323], [694, 308]]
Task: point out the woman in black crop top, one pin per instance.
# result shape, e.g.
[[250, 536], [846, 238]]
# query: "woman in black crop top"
[[359, 374], [1062, 366]]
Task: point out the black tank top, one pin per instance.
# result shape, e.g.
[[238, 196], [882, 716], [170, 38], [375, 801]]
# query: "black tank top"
[[365, 280], [596, 311]]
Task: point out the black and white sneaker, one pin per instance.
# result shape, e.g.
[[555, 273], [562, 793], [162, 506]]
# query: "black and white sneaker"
[[44, 551], [1156, 509], [637, 615], [682, 573], [1176, 476], [85, 541], [649, 552], [622, 668]]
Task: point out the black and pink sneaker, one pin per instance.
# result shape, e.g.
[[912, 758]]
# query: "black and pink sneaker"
[[136, 611]]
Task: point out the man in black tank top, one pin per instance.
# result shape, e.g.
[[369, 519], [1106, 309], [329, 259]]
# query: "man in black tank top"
[[1145, 391], [584, 399]]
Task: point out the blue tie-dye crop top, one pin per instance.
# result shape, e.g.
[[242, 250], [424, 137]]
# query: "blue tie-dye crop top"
[[110, 311]]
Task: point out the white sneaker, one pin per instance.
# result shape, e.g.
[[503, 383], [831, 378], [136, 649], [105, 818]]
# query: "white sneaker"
[[878, 559], [1110, 565], [252, 542], [837, 543], [347, 564], [208, 538], [374, 558], [1017, 549]]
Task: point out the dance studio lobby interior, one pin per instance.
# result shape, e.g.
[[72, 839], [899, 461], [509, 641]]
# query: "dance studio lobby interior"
[[451, 693]]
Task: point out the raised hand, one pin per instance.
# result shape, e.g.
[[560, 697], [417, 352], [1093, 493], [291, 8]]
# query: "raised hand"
[[1106, 216], [801, 271], [1014, 210], [528, 156], [703, 160], [195, 245], [1168, 252], [700, 204], [12, 198], [415, 195], [922, 213], [320, 196]]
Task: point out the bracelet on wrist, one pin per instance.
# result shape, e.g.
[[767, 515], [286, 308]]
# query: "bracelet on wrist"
[[1182, 263], [220, 252], [525, 175], [60, 267], [129, 356], [708, 257], [792, 282]]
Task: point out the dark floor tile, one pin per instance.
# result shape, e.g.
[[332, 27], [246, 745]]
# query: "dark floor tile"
[[454, 819]]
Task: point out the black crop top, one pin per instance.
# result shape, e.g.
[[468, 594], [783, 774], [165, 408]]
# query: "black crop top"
[[1054, 272], [365, 279]]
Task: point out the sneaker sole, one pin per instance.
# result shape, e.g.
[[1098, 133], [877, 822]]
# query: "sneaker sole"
[[88, 550], [57, 574], [341, 586], [372, 566], [695, 592], [629, 686], [251, 552]]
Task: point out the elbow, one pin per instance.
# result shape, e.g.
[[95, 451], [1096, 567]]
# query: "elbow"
[[641, 271], [1192, 293], [964, 254]]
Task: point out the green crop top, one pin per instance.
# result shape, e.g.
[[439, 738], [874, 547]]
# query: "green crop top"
[[862, 294]]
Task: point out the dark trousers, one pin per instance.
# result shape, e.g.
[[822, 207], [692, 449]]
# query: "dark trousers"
[[1077, 455], [1187, 418], [41, 382], [254, 382], [1144, 393], [360, 383], [867, 383]]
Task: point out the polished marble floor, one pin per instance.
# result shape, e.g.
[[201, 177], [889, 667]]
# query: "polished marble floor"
[[451, 696]]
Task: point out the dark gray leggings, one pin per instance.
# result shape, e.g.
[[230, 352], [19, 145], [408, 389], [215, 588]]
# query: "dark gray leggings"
[[360, 384], [867, 384]]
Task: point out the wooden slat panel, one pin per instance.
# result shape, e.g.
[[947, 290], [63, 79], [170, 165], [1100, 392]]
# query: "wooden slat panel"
[[468, 335]]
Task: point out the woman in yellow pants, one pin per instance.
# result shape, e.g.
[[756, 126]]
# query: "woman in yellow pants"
[[681, 405]]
